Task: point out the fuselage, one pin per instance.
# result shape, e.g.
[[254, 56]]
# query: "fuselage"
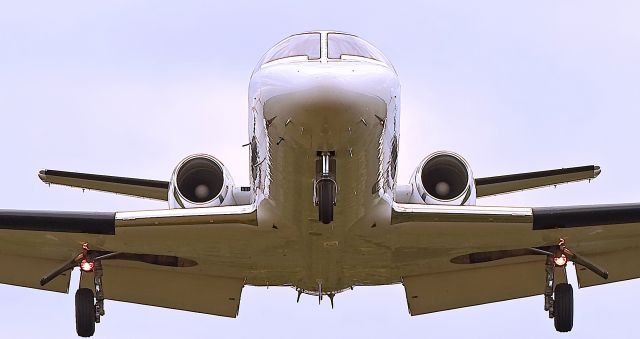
[[299, 107]]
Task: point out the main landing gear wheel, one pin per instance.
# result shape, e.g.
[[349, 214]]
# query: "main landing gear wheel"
[[85, 312], [563, 307], [326, 191]]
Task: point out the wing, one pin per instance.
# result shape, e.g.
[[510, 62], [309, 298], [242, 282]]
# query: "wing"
[[193, 259], [457, 256], [143, 188], [523, 181]]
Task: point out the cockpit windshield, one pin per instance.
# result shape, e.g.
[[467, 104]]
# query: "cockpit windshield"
[[322, 47], [341, 44], [305, 45]]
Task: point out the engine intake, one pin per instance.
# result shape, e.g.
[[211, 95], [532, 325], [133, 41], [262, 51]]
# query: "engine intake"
[[445, 178], [200, 180]]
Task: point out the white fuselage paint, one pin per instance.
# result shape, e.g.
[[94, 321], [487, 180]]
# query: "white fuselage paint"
[[297, 108]]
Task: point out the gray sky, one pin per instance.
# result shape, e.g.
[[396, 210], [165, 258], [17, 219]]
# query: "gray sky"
[[131, 87]]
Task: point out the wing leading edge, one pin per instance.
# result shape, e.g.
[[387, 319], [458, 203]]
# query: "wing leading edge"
[[143, 188], [523, 181]]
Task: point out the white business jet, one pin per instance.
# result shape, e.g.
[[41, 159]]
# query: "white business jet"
[[323, 212]]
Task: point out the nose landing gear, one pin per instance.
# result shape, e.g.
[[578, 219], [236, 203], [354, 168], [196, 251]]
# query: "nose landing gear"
[[325, 188]]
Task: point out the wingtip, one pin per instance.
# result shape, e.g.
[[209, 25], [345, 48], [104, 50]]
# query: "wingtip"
[[596, 171]]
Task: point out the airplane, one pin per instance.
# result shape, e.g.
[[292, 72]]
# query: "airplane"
[[323, 212]]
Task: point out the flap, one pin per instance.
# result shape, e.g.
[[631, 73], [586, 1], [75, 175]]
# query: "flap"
[[27, 272], [621, 264], [454, 289], [169, 288]]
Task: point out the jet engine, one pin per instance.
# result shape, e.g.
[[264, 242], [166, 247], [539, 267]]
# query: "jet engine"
[[200, 180], [445, 178]]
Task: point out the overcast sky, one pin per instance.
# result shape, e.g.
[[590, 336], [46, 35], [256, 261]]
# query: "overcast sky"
[[131, 87]]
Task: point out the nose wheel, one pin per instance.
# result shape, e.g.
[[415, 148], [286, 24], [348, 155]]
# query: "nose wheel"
[[325, 186], [326, 200]]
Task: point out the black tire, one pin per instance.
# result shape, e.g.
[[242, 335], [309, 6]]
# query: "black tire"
[[85, 312], [326, 191], [563, 307]]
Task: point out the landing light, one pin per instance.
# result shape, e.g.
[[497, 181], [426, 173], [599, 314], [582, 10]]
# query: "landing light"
[[86, 266], [561, 260]]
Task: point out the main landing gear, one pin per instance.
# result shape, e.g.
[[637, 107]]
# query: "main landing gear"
[[89, 305], [325, 187], [87, 313], [558, 298]]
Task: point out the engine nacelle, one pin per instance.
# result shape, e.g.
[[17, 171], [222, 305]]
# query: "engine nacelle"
[[444, 178], [200, 180]]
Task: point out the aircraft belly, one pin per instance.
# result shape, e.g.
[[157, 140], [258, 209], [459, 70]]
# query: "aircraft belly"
[[298, 125]]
